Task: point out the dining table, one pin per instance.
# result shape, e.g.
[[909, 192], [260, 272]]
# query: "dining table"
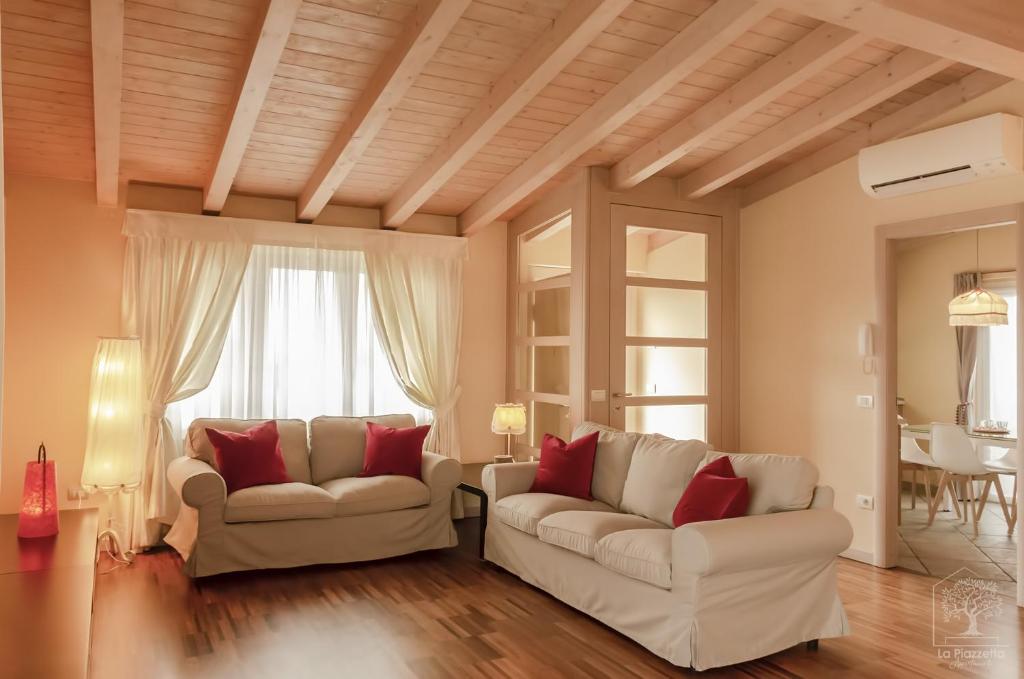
[[923, 432]]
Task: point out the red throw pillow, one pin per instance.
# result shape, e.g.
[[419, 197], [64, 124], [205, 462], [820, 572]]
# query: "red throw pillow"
[[393, 452], [566, 468], [714, 493], [251, 458]]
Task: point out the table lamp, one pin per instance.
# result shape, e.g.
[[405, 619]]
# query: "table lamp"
[[113, 450], [509, 419]]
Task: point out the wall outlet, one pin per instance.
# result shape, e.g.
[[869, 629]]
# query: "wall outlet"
[[865, 502], [865, 401], [77, 495]]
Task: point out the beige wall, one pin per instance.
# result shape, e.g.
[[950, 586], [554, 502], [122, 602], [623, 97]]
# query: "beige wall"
[[63, 279], [926, 345], [806, 284]]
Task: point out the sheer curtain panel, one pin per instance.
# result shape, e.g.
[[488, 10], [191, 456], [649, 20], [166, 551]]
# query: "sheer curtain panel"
[[177, 297]]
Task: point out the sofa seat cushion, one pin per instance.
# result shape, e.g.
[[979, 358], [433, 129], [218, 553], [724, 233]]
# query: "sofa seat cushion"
[[359, 495], [524, 511], [278, 502], [580, 531], [643, 554]]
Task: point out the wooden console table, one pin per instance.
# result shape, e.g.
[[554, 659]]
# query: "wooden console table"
[[46, 586]]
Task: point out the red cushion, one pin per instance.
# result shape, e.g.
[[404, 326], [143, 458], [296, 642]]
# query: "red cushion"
[[251, 458], [393, 452], [566, 468], [714, 493]]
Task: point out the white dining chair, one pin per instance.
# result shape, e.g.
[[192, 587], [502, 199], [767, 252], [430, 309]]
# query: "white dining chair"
[[954, 453], [1007, 466], [915, 460]]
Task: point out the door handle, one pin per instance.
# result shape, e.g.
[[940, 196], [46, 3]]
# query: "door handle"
[[621, 394]]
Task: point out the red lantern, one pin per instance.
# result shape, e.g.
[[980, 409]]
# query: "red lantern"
[[38, 517]]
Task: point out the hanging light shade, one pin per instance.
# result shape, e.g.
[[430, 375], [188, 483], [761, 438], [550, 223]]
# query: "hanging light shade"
[[978, 307], [113, 450]]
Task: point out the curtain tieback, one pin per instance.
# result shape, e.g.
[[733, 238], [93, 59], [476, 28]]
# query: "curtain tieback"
[[448, 404], [156, 410]]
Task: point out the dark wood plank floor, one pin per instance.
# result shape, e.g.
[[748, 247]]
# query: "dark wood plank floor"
[[444, 614]]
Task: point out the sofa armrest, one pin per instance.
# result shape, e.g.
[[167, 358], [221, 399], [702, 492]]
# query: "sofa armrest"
[[441, 474], [509, 478], [197, 483], [762, 541]]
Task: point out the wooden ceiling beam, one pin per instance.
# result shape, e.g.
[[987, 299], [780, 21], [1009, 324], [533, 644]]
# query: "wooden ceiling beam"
[[820, 49], [107, 35], [719, 26], [575, 28], [893, 126], [415, 46], [903, 70], [267, 49], [982, 33]]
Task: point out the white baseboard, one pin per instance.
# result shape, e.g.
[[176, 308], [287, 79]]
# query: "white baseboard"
[[859, 555]]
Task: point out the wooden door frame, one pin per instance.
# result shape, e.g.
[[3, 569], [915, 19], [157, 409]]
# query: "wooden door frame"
[[886, 427]]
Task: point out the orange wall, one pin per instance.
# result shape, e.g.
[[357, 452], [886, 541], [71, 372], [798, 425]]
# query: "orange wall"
[[64, 261], [64, 264]]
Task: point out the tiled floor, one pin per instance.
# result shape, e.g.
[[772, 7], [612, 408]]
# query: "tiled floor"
[[949, 544]]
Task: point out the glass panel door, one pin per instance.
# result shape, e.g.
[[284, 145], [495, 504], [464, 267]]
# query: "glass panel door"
[[666, 307]]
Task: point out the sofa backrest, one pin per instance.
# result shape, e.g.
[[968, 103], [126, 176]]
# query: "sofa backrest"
[[337, 444], [778, 483], [611, 464], [659, 471], [292, 433]]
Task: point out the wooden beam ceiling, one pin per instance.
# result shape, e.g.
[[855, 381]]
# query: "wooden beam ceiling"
[[273, 34], [983, 33], [821, 48], [705, 36], [107, 32], [427, 28], [575, 28], [904, 70], [893, 126]]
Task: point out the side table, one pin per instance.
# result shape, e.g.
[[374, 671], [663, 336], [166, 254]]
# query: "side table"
[[474, 489]]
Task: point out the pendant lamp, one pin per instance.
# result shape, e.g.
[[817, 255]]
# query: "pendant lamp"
[[978, 307]]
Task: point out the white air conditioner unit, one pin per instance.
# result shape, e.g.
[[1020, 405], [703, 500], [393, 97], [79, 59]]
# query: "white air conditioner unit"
[[985, 147]]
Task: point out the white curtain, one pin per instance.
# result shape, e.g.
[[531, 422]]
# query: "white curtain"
[[417, 308], [995, 381], [301, 344], [177, 297]]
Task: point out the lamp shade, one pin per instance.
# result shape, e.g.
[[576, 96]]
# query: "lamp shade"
[[978, 307], [509, 418], [113, 450]]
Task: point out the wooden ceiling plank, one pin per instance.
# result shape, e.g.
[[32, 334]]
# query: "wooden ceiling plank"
[[819, 49], [574, 29], [107, 54], [893, 126], [982, 33], [873, 87], [269, 45], [708, 34], [418, 42]]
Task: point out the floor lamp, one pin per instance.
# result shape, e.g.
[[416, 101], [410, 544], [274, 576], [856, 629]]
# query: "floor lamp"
[[113, 461]]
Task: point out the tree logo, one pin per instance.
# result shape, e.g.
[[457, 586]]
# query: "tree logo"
[[965, 615]]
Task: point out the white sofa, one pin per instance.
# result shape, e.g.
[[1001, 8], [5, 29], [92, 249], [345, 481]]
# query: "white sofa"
[[326, 515], [702, 595]]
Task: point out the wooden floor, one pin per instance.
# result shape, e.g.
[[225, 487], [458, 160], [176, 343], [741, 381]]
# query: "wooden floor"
[[444, 614]]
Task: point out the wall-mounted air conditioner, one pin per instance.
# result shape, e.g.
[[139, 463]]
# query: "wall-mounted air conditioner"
[[985, 147]]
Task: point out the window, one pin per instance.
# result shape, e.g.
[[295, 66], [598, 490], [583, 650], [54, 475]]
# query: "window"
[[995, 388], [301, 344]]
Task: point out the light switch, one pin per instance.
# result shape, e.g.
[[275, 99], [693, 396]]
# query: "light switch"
[[598, 395], [865, 401]]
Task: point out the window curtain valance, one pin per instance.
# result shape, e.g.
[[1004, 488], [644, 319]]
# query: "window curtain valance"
[[182, 278], [200, 228]]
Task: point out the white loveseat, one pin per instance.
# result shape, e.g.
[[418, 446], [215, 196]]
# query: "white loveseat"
[[702, 595], [327, 514]]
